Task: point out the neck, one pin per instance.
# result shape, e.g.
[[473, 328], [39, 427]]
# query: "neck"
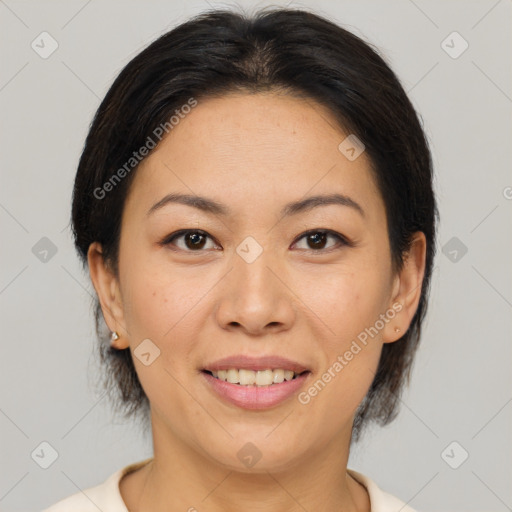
[[181, 478]]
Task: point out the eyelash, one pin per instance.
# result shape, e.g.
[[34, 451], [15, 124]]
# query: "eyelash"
[[342, 241]]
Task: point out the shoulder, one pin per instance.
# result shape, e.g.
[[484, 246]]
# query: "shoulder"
[[105, 496], [380, 500], [91, 499]]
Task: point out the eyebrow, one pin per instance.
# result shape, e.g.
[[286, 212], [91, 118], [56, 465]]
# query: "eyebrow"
[[211, 206]]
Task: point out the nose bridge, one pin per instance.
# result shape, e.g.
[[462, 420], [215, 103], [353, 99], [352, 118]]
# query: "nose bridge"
[[253, 263], [255, 297]]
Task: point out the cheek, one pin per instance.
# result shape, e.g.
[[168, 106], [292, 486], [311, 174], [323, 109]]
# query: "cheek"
[[159, 307], [166, 307], [157, 301], [347, 302], [350, 304]]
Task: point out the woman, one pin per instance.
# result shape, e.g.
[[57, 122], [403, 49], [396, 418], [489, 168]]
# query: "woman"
[[254, 203]]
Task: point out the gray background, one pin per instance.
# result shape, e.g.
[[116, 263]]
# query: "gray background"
[[461, 385]]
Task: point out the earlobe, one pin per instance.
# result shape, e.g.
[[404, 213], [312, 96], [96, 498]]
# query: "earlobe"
[[106, 284], [407, 289]]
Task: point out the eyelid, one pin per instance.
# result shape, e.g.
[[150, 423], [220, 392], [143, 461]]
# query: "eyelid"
[[181, 232], [342, 240]]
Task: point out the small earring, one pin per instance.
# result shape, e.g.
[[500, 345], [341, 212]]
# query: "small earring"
[[114, 337], [397, 329]]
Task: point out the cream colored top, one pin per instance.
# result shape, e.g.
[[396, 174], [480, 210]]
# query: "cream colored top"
[[107, 496]]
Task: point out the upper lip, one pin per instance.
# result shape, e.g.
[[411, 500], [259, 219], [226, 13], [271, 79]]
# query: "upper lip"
[[256, 363]]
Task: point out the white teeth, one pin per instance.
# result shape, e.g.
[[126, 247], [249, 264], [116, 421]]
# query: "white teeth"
[[232, 376], [278, 376], [264, 378], [247, 377], [251, 377]]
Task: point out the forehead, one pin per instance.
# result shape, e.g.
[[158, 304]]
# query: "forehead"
[[254, 147]]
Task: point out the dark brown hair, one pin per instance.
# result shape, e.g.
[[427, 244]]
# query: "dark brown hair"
[[294, 51]]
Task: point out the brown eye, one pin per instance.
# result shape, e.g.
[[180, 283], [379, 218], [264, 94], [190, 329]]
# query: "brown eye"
[[192, 240], [317, 240]]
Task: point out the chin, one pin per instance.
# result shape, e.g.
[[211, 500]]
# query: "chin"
[[255, 455]]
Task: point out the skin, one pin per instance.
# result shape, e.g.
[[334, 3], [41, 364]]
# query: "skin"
[[253, 153]]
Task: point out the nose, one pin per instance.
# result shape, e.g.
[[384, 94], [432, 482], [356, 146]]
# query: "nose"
[[255, 297]]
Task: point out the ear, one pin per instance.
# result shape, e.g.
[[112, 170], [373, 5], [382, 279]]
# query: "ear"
[[407, 287], [107, 288]]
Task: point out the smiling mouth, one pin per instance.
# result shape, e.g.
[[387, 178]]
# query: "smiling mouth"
[[261, 378]]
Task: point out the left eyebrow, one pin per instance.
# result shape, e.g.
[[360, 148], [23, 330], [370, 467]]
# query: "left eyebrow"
[[211, 206], [322, 200]]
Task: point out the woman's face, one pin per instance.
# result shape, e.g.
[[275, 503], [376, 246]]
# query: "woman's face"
[[248, 282]]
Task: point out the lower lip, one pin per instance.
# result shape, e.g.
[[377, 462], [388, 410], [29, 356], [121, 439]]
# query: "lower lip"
[[255, 397]]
